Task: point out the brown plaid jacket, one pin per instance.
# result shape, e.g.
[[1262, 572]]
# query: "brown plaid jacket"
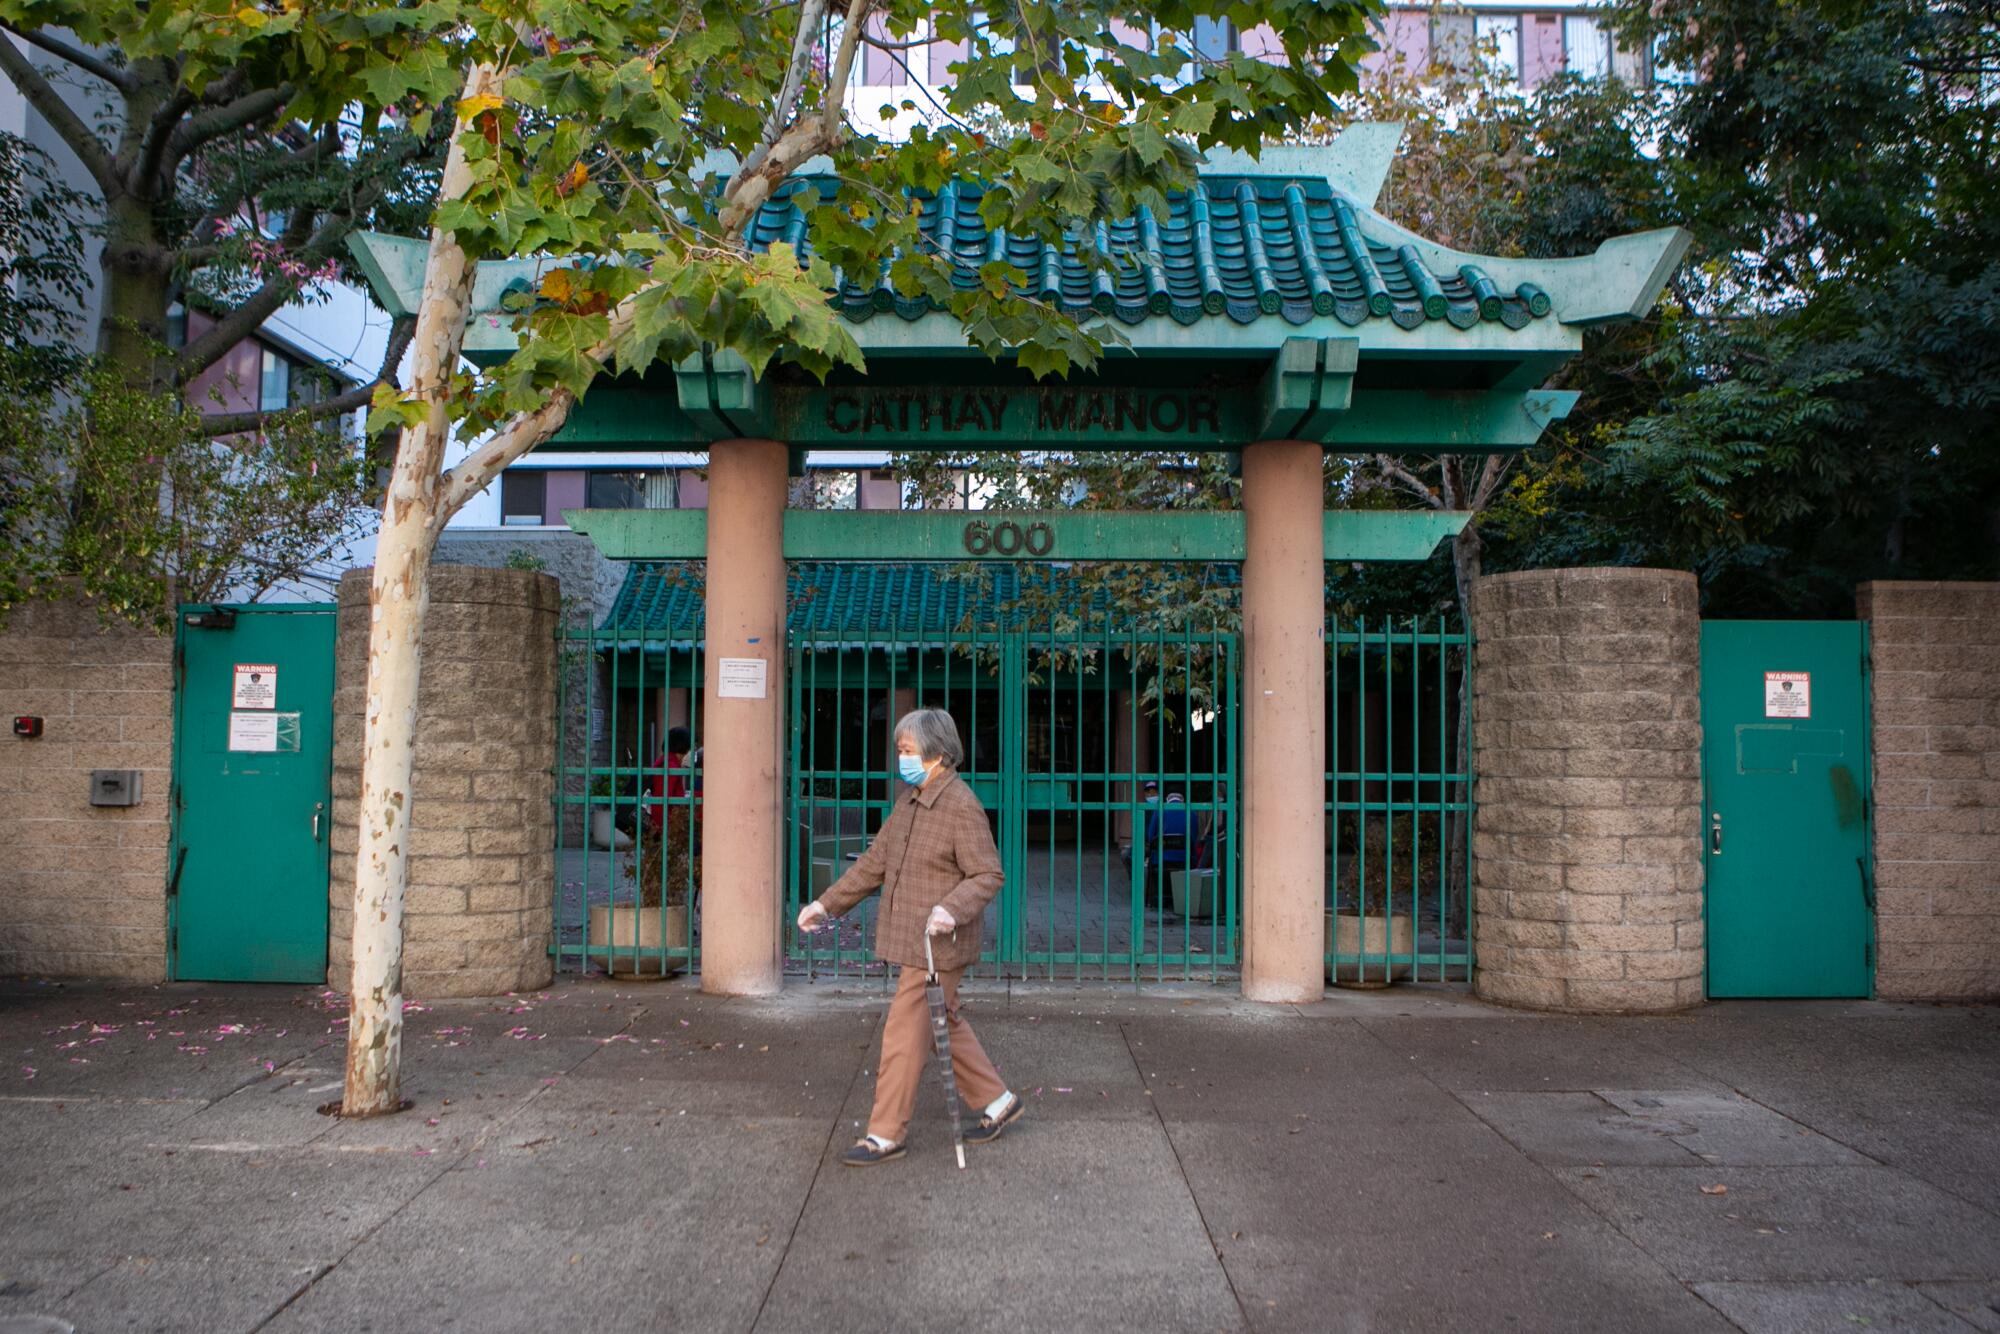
[[934, 848]]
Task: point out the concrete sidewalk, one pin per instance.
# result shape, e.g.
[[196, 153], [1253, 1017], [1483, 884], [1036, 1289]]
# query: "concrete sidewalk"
[[616, 1156]]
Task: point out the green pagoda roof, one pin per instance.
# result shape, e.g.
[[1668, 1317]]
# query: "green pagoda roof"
[[1239, 247], [1260, 251]]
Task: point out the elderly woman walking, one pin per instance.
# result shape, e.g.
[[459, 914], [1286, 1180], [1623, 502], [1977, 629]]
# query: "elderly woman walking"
[[937, 868]]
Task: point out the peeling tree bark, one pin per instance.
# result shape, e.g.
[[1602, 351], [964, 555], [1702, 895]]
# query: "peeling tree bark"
[[398, 598]]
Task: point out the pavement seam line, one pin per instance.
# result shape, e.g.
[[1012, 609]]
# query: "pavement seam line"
[[1854, 1149], [478, 1141], [1228, 1279], [832, 1129], [1685, 1285]]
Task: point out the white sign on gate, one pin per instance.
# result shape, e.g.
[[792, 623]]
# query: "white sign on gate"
[[256, 686], [740, 678], [1788, 694]]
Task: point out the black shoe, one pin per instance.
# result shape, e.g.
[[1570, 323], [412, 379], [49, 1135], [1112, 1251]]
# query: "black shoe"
[[866, 1153], [989, 1128]]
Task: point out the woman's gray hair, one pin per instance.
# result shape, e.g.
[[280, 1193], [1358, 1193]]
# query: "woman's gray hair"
[[933, 733]]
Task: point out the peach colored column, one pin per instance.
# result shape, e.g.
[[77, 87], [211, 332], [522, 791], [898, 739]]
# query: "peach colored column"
[[742, 871], [1284, 724]]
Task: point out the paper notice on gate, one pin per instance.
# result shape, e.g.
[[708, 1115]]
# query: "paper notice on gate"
[[256, 686], [740, 678], [253, 731], [1788, 694]]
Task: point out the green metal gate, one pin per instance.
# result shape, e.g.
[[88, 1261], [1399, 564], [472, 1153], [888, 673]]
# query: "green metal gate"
[[1065, 716], [1068, 708], [1399, 800]]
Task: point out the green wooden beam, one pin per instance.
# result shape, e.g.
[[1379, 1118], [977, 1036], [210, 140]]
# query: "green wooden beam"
[[1447, 421], [1310, 383], [1056, 535]]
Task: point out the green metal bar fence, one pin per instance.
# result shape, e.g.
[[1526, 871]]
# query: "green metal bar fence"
[[1063, 724]]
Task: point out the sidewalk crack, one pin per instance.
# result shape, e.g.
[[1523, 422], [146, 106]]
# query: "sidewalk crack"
[[1187, 1185]]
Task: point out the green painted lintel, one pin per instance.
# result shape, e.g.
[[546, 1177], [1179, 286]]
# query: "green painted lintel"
[[1447, 421], [1389, 535], [1060, 535]]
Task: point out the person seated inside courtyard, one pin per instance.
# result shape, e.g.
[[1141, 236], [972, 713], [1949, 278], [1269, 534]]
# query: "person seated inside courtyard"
[[1168, 836]]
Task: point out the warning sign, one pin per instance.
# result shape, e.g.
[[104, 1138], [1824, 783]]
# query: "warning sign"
[[1788, 694], [256, 686]]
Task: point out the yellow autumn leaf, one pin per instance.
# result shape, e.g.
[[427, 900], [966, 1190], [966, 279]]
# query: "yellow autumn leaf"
[[556, 286], [251, 18], [471, 107]]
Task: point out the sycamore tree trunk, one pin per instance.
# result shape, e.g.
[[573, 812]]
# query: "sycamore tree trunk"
[[398, 597]]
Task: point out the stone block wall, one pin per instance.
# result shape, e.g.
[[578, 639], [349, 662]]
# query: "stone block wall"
[[477, 919], [1587, 888], [82, 887], [1935, 704]]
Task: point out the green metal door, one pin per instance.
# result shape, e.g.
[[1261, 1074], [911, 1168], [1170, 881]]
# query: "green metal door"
[[1785, 768], [253, 750]]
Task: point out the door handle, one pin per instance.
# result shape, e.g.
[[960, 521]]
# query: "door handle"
[[318, 806], [1715, 833]]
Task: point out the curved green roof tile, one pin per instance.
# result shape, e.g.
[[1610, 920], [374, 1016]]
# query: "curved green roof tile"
[[1243, 247]]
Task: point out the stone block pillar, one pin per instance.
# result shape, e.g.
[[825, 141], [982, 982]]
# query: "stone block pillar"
[[1284, 723], [743, 736], [1587, 746], [83, 888], [482, 827], [1935, 701]]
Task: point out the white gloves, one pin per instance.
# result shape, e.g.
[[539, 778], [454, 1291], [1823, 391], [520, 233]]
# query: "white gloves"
[[941, 922], [812, 916]]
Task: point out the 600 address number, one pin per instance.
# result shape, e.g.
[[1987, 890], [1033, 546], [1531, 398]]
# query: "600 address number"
[[1008, 539]]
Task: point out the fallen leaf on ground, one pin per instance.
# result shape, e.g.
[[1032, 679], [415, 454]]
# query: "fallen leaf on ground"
[[1717, 1189]]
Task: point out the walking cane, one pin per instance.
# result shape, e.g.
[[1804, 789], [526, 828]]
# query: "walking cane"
[[941, 1039]]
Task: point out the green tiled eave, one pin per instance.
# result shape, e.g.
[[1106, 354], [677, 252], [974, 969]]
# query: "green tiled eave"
[[1258, 253], [662, 602]]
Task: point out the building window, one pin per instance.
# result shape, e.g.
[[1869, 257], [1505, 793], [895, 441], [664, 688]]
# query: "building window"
[[523, 492], [629, 489], [1214, 39], [1499, 38], [1586, 48], [274, 383]]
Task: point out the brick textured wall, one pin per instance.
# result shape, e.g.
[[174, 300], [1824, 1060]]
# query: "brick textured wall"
[[1935, 650], [82, 887], [477, 919], [1587, 743]]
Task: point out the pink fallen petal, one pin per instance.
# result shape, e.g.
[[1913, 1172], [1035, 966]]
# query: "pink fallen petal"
[[27, 1072], [424, 1153]]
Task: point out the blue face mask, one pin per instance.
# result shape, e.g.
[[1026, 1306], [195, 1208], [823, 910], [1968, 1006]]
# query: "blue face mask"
[[911, 769]]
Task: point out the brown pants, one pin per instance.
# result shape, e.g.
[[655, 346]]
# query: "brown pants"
[[906, 1050]]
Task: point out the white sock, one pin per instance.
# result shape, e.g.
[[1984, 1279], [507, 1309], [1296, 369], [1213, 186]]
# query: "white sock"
[[999, 1105], [879, 1142]]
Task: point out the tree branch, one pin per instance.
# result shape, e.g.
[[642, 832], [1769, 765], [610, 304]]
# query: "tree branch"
[[198, 355], [92, 65], [769, 164], [43, 97], [1490, 476], [1406, 479], [477, 470], [153, 148], [246, 110], [400, 333]]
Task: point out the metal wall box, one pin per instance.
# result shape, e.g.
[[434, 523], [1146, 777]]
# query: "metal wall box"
[[114, 787]]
